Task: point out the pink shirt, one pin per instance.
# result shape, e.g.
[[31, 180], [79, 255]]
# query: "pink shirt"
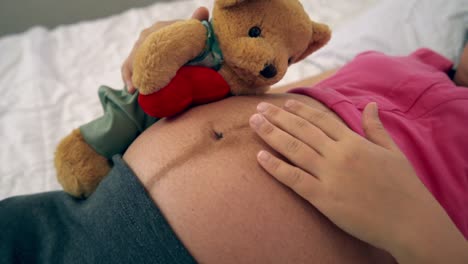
[[423, 110]]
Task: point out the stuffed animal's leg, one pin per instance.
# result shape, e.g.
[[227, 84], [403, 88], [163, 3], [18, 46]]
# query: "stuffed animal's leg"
[[163, 52], [79, 167], [83, 158]]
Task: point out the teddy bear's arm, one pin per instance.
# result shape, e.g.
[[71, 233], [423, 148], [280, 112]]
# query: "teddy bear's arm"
[[163, 53]]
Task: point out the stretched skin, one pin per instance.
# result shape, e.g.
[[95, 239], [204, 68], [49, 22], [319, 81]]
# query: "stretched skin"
[[200, 168]]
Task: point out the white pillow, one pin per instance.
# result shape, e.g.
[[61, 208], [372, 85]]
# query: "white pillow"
[[398, 27]]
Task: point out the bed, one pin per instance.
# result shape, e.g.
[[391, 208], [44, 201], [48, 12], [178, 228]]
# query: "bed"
[[49, 78]]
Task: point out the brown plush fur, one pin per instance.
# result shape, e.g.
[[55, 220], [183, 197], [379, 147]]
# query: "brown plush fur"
[[287, 33], [288, 36], [161, 55], [79, 167]]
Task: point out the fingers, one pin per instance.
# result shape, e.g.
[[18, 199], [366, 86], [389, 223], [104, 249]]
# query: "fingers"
[[127, 75], [201, 13], [293, 149], [130, 88], [321, 119], [296, 126], [374, 129], [298, 180]]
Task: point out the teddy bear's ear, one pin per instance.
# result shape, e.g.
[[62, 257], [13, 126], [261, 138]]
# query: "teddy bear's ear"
[[228, 3], [320, 36]]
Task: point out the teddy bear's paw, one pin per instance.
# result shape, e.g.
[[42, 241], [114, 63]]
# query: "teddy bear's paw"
[[79, 168], [147, 87], [164, 52]]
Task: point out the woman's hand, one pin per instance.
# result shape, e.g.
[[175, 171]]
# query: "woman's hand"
[[201, 13], [366, 187]]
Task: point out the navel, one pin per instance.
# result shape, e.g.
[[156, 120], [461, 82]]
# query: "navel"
[[218, 135]]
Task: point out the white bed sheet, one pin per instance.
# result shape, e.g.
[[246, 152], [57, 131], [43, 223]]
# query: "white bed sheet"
[[49, 79]]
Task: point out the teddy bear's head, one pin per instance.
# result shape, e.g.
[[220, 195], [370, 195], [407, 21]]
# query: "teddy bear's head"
[[261, 38]]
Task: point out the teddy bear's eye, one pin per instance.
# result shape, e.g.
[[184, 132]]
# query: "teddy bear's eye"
[[255, 32]]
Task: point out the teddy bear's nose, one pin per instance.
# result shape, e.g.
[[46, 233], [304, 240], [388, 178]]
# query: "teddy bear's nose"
[[269, 71]]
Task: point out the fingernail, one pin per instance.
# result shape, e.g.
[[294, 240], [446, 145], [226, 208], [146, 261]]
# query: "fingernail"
[[290, 103], [375, 110], [256, 120], [262, 107], [263, 155]]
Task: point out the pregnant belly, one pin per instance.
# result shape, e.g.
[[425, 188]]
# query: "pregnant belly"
[[200, 168]]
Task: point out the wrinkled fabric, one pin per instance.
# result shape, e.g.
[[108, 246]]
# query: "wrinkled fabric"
[[118, 223]]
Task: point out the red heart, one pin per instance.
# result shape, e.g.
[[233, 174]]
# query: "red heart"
[[191, 85]]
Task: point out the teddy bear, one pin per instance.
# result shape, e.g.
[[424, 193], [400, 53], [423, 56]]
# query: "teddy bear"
[[246, 47]]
